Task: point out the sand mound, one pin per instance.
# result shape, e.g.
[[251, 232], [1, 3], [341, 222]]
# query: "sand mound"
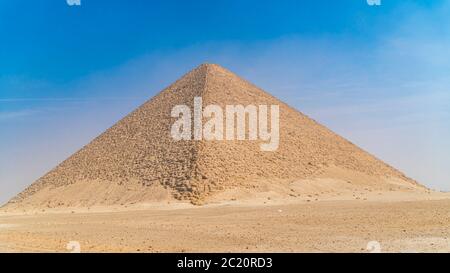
[[137, 160]]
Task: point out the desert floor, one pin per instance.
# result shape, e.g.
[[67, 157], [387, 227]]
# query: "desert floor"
[[317, 226]]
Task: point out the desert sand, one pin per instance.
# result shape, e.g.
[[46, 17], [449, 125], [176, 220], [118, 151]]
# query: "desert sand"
[[252, 226], [136, 189]]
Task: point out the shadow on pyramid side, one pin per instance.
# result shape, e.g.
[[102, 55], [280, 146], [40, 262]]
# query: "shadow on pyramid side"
[[137, 160]]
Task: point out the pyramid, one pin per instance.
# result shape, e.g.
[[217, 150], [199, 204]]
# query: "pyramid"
[[137, 160]]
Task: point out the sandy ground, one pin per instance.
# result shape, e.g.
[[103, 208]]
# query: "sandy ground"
[[270, 226]]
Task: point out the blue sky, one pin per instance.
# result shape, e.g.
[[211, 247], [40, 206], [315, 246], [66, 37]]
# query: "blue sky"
[[377, 75]]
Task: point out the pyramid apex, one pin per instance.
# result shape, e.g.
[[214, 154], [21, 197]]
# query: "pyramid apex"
[[211, 65]]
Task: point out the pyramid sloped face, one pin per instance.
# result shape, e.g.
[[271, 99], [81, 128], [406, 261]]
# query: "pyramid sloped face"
[[306, 148], [137, 148], [140, 150]]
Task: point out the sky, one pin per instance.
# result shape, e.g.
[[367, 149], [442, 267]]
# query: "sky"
[[377, 75]]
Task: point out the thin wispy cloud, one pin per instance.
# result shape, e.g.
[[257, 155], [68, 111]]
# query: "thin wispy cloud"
[[7, 116], [69, 99]]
